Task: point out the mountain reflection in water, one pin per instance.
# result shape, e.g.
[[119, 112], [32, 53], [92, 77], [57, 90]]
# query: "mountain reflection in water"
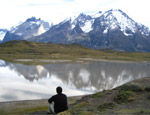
[[77, 78]]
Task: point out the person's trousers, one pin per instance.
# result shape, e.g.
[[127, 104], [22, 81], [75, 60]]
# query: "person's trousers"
[[51, 108]]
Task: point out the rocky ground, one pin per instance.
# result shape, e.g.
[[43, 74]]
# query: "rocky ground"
[[130, 98]]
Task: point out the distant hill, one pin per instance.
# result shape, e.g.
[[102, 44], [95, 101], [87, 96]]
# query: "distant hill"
[[28, 50], [34, 50], [26, 47]]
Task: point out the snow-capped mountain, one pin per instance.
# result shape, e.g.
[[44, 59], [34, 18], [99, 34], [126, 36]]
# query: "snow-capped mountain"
[[110, 20], [31, 27], [117, 19], [2, 34], [112, 29], [115, 30]]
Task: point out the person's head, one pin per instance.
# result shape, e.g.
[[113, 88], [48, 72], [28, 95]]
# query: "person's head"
[[59, 90]]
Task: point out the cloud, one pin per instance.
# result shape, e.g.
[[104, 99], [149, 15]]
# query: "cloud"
[[13, 11]]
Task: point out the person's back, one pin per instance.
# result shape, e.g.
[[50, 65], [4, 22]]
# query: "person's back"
[[60, 101]]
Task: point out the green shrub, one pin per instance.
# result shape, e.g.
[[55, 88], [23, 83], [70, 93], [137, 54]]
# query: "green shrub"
[[106, 106], [79, 107], [97, 95], [124, 96], [131, 87]]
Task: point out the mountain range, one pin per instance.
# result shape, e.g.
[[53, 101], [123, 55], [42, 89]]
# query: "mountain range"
[[31, 27], [112, 29]]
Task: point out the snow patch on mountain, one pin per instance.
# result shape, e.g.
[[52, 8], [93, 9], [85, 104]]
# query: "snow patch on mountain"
[[41, 30], [2, 34], [84, 21], [19, 34], [105, 31], [38, 22], [124, 22], [88, 26], [145, 30]]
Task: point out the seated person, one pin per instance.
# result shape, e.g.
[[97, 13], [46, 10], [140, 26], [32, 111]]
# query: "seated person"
[[58, 102]]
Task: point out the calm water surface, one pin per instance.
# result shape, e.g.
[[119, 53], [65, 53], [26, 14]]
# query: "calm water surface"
[[25, 82]]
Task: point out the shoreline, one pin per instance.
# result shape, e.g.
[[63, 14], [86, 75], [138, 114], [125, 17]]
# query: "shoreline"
[[105, 102], [16, 101], [78, 60]]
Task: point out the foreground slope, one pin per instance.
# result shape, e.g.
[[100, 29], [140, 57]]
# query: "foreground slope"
[[130, 98]]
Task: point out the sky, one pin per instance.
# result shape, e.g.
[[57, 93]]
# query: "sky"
[[13, 12]]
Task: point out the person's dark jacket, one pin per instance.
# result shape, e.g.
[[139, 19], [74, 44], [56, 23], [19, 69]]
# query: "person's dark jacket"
[[60, 101]]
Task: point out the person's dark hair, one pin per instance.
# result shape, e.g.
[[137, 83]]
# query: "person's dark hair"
[[59, 90]]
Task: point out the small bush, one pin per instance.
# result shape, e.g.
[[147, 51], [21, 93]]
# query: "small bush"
[[131, 87], [79, 109], [106, 106], [124, 96], [97, 95]]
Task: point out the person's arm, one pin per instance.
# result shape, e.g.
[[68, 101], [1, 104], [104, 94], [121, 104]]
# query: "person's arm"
[[51, 99]]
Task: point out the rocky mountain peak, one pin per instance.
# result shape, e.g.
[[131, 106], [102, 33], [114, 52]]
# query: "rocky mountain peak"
[[81, 19], [84, 21], [117, 19], [33, 19], [77, 30], [31, 27]]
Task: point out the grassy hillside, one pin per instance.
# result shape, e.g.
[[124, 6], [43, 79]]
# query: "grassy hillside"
[[130, 98], [33, 50]]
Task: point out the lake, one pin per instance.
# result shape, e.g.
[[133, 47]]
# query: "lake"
[[27, 82]]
